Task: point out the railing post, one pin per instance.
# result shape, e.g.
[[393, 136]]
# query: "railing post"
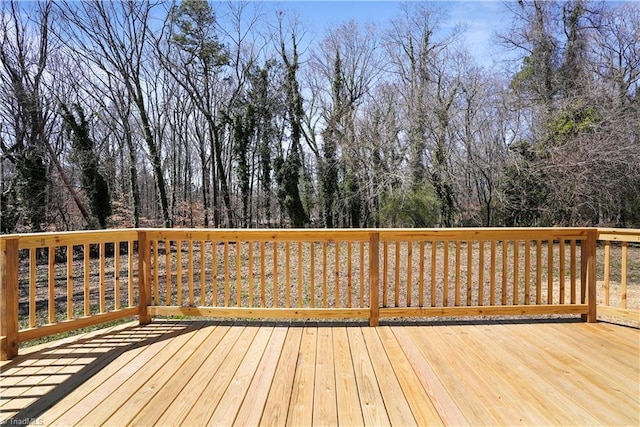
[[9, 264], [144, 278], [588, 275], [374, 278]]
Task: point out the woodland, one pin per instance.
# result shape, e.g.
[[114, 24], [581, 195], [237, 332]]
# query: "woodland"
[[231, 114]]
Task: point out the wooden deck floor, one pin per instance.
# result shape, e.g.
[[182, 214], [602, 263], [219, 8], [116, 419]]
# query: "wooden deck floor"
[[197, 373]]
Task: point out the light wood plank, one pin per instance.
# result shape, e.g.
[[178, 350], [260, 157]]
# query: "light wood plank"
[[464, 387], [129, 378], [349, 412], [253, 405], [445, 406], [371, 401], [325, 410], [177, 412], [176, 383], [89, 394], [277, 405], [166, 373], [558, 408], [28, 385], [230, 403], [562, 371], [204, 407], [422, 408], [160, 380], [395, 401], [301, 405]]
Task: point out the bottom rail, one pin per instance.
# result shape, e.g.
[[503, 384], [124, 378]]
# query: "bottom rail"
[[70, 325], [505, 310], [620, 313], [261, 313]]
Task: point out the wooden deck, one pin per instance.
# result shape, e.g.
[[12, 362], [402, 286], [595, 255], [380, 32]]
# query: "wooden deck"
[[196, 373]]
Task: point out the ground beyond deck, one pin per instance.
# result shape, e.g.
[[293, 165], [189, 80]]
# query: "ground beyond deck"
[[196, 373]]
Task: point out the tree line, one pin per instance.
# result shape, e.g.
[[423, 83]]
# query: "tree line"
[[211, 114]]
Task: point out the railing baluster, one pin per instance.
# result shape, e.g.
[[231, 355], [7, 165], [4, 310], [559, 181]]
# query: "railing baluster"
[[312, 275], [445, 275], [130, 284], [263, 294], [324, 274], [167, 254], [287, 274], [179, 271], [103, 282], [434, 256], [623, 275], [505, 271], [214, 273], [32, 287], [349, 282], [69, 282], [251, 243], [607, 271], [409, 271], [421, 276], [481, 273], [397, 275], [116, 273], [458, 272], [275, 273], [469, 270], [203, 273], [573, 271], [87, 273], [226, 274], [550, 271], [362, 275], [374, 277], [190, 272], [561, 270], [538, 272], [492, 283], [239, 273], [385, 272], [516, 272], [300, 251], [52, 284], [527, 272]]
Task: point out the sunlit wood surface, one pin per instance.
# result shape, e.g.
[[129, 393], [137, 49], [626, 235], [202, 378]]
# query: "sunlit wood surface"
[[197, 373]]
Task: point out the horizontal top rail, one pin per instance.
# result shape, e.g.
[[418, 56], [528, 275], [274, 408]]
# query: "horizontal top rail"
[[38, 240], [619, 234], [450, 234], [43, 240], [259, 234]]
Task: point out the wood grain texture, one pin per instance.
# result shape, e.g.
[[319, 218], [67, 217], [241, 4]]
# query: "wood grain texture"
[[303, 373]]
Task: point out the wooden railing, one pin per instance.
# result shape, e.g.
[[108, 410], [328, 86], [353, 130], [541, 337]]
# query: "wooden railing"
[[56, 282], [613, 276], [53, 274]]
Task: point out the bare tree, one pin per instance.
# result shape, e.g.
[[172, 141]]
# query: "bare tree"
[[115, 36]]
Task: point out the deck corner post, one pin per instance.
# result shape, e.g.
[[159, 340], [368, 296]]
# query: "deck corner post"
[[374, 278], [9, 264], [144, 278], [588, 275]]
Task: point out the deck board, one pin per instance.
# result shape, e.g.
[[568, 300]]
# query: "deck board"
[[245, 374]]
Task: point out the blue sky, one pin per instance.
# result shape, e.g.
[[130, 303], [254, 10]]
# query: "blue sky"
[[480, 17]]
